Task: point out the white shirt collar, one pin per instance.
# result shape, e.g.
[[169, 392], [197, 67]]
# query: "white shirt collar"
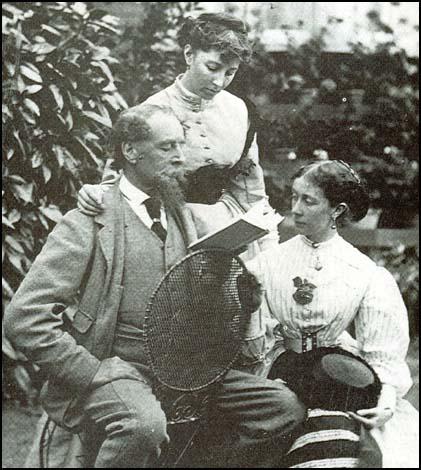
[[130, 192]]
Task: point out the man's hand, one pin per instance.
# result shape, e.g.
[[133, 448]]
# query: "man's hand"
[[373, 417], [89, 200], [250, 292]]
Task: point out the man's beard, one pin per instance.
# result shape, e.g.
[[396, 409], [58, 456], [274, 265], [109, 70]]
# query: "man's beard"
[[170, 189]]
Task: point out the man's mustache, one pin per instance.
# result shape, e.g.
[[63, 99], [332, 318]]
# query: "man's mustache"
[[170, 186]]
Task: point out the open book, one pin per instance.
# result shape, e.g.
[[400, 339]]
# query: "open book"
[[241, 231]]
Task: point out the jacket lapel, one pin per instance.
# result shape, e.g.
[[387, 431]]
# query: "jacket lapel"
[[111, 240], [106, 219]]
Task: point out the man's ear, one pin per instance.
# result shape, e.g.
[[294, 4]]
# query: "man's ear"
[[130, 153]]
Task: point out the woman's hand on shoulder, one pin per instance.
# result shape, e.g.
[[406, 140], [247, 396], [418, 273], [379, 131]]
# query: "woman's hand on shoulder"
[[373, 417], [89, 200]]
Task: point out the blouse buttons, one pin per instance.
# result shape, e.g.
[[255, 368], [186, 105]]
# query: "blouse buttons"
[[209, 160]]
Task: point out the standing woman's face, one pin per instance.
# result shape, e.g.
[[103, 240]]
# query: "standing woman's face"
[[208, 72], [311, 211]]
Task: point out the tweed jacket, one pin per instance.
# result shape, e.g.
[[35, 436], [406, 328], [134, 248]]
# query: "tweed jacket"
[[64, 314]]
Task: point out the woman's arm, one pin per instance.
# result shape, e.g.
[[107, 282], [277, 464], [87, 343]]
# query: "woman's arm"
[[247, 184], [383, 337], [382, 413]]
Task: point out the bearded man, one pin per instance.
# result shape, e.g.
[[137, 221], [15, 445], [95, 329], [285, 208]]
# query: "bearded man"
[[79, 312]]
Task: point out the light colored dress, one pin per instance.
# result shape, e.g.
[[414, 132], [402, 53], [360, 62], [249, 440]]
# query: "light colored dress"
[[349, 288], [215, 132]]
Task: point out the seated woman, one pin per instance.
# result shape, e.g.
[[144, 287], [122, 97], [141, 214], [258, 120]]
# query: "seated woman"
[[318, 285]]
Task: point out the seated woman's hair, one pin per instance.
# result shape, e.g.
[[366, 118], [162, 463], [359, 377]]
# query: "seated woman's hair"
[[340, 184], [217, 31], [131, 127]]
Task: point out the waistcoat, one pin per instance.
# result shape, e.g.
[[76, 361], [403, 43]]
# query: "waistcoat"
[[144, 267]]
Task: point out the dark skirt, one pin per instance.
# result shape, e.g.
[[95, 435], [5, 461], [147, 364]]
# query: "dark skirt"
[[329, 378], [329, 438]]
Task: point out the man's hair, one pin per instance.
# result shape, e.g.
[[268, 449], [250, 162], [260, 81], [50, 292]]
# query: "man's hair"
[[219, 31], [132, 127]]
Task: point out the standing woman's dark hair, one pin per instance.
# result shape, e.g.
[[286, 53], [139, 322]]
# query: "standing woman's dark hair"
[[221, 149], [341, 185], [217, 31]]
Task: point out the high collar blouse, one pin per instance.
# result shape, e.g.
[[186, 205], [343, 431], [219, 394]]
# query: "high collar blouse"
[[349, 287], [216, 132]]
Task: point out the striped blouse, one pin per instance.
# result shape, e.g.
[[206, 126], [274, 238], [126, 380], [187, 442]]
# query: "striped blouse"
[[349, 287]]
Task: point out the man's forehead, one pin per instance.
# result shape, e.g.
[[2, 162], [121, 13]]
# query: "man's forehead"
[[165, 127]]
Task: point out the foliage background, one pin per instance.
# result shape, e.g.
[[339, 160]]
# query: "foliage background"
[[69, 67], [59, 99]]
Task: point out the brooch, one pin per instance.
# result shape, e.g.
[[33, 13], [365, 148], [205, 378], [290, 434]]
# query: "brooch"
[[304, 293]]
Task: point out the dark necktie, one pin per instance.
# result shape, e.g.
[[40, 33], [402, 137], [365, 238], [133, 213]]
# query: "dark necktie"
[[153, 206]]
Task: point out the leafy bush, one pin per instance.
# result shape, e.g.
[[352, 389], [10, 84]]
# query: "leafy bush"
[[148, 50], [59, 100]]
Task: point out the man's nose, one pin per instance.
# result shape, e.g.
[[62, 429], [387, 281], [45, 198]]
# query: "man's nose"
[[179, 156]]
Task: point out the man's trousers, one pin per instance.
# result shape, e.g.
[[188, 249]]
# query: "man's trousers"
[[256, 417]]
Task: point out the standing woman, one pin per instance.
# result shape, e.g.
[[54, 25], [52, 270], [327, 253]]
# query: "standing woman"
[[221, 154], [318, 285], [221, 151]]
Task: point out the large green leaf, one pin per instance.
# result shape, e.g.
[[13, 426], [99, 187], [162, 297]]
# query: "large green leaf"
[[31, 72], [43, 48], [14, 244], [14, 216], [32, 106], [103, 120], [51, 30], [30, 90], [8, 292], [55, 90], [5, 221], [52, 212], [24, 192], [88, 151], [46, 173]]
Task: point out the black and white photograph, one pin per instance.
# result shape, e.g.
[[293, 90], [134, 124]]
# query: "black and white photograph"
[[210, 234]]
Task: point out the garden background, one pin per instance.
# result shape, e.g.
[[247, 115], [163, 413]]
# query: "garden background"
[[70, 67]]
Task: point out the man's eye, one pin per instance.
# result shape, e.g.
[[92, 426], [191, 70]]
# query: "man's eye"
[[212, 68], [166, 148]]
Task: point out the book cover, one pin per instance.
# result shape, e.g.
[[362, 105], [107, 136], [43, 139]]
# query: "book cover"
[[239, 233]]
